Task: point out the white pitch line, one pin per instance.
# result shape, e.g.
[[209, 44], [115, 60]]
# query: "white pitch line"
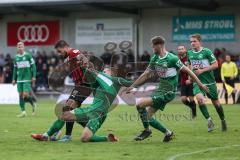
[[196, 152]]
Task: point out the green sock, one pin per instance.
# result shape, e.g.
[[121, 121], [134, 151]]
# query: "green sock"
[[204, 111], [96, 138], [143, 116], [157, 125], [56, 126], [22, 104], [220, 112]]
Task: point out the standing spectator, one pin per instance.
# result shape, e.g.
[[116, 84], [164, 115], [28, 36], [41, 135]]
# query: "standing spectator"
[[218, 54], [39, 80], [7, 71], [145, 57], [130, 55], [229, 72], [2, 62], [1, 77], [106, 57]]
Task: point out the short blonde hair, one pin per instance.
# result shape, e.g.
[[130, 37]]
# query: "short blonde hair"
[[197, 36]]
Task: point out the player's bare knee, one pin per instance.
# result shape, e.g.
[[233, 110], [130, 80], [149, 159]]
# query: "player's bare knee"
[[140, 103], [67, 116], [216, 102], [183, 99], [200, 101], [85, 137]]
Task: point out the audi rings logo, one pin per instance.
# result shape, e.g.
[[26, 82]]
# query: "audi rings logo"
[[33, 33]]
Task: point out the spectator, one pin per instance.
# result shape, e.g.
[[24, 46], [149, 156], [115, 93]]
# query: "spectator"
[[106, 57], [130, 55], [217, 52], [2, 62], [1, 77], [238, 65], [145, 57], [8, 72]]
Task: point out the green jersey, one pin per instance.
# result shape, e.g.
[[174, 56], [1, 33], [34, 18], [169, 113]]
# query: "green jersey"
[[109, 88], [167, 68], [24, 68], [200, 60]]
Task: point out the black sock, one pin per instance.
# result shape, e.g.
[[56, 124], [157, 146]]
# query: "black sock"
[[233, 97], [220, 112], [192, 104], [226, 97], [187, 103], [29, 99], [194, 108], [69, 127]]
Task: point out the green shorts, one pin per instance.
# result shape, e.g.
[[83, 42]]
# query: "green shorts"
[[212, 94], [160, 98], [92, 117], [23, 86]]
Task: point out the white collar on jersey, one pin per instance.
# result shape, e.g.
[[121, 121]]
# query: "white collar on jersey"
[[20, 55], [201, 48], [164, 56]]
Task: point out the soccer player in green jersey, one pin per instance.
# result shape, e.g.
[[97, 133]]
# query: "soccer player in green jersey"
[[203, 62], [166, 66], [23, 74], [92, 117]]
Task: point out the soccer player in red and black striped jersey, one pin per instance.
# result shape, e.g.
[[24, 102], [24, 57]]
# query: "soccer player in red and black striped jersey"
[[80, 92], [187, 96]]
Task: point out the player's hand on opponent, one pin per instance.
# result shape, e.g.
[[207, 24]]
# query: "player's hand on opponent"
[[204, 88], [14, 82]]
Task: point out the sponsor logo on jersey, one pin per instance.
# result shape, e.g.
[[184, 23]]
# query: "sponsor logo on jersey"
[[161, 71], [23, 64], [197, 64]]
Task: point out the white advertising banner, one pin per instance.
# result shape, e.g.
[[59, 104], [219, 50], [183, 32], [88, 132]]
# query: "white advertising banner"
[[8, 94], [101, 31]]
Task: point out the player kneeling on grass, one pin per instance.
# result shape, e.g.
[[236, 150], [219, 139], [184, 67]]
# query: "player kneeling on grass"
[[166, 65], [92, 117], [24, 73]]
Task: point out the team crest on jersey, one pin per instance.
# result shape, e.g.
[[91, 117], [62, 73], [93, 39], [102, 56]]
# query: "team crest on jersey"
[[164, 64], [200, 56]]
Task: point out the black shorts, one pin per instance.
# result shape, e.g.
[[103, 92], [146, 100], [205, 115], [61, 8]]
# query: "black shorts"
[[187, 90], [229, 82], [79, 94]]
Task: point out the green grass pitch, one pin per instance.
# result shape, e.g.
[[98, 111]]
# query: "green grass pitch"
[[192, 139]]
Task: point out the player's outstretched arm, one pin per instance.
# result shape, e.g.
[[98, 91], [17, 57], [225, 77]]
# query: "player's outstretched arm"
[[194, 78], [146, 75]]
